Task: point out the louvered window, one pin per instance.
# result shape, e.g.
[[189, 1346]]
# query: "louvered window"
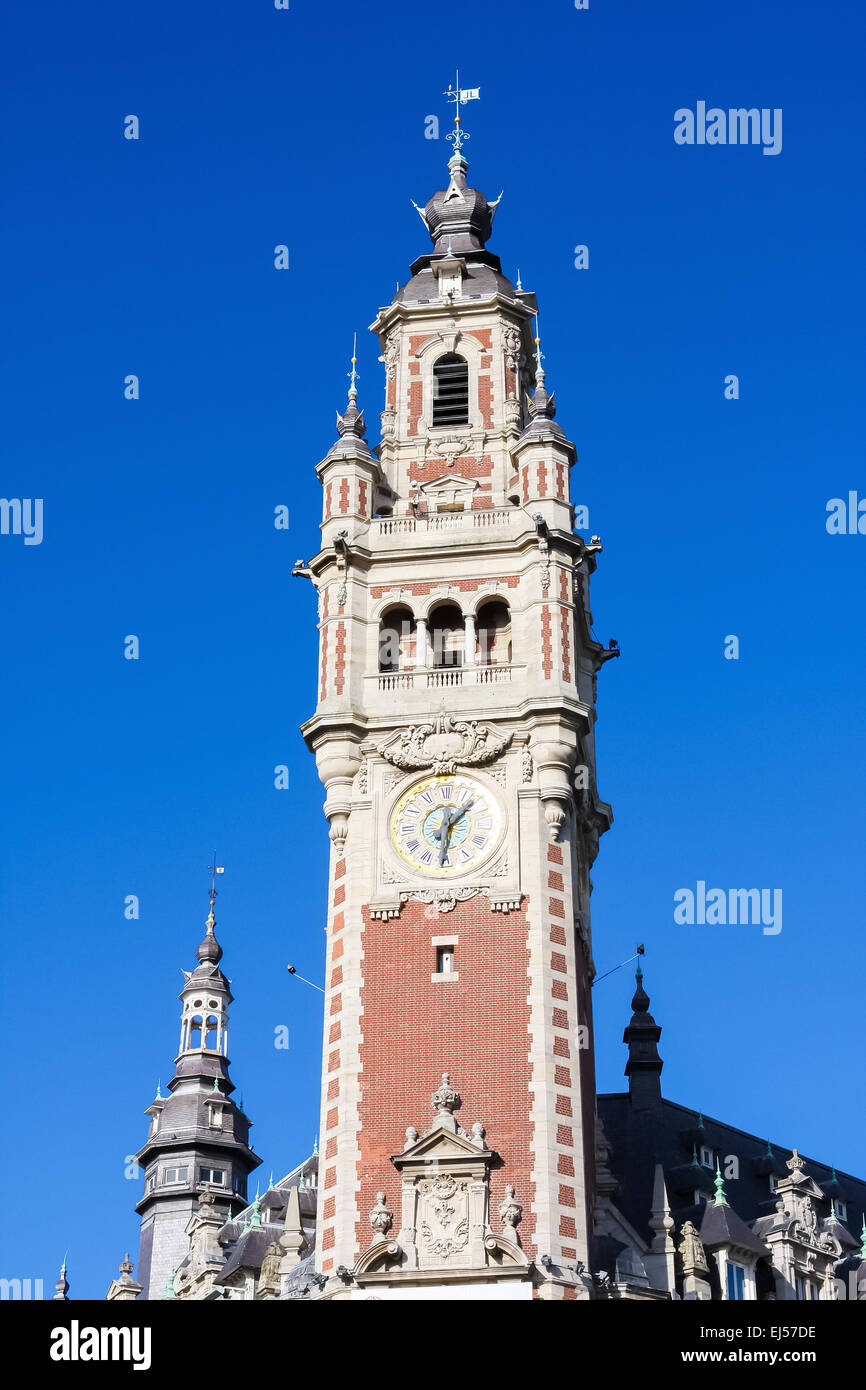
[[451, 391]]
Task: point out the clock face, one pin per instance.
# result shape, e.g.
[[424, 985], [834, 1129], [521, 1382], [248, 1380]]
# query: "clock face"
[[446, 825]]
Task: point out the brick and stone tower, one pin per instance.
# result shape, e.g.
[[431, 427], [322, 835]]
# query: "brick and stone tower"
[[199, 1137], [454, 735]]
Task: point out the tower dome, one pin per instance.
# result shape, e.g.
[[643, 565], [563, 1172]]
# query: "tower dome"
[[459, 216]]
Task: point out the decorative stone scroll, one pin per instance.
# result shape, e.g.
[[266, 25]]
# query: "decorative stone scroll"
[[443, 745]]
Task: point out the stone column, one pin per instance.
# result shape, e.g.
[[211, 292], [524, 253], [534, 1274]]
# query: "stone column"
[[421, 644], [469, 639]]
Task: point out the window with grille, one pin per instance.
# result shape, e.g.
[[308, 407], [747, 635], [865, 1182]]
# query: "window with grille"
[[451, 391]]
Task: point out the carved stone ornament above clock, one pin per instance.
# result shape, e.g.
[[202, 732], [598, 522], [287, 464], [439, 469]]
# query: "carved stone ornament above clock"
[[443, 745]]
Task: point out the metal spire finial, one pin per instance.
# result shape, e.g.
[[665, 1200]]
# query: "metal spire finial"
[[213, 870], [719, 1184], [353, 374], [539, 355]]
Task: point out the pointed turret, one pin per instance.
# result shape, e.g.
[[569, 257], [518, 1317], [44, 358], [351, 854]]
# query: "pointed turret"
[[349, 472], [199, 1137], [644, 1065]]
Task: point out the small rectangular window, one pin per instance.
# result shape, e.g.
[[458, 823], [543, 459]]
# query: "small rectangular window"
[[736, 1282], [707, 1159], [774, 1182], [841, 1210], [445, 960], [214, 1175], [175, 1175]]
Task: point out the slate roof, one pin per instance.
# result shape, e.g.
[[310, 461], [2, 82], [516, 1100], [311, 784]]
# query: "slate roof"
[[657, 1130]]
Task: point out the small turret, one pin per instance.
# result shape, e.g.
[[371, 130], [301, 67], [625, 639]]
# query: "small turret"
[[644, 1065], [199, 1136]]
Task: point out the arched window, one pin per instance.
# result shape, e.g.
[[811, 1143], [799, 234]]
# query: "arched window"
[[493, 634], [451, 391], [195, 1033], [397, 640], [446, 636], [210, 1039]]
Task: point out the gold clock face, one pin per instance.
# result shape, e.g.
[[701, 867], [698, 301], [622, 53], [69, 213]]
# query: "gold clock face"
[[446, 825]]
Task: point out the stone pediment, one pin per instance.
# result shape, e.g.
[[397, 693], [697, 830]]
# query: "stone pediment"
[[445, 1209], [444, 1146], [450, 490]]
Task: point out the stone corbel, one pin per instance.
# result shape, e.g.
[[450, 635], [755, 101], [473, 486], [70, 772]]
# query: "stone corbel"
[[553, 762], [338, 766], [543, 549]]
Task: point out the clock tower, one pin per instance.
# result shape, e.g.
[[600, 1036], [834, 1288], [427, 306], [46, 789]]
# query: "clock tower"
[[454, 736]]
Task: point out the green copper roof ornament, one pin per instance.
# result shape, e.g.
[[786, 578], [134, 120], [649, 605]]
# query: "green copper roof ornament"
[[316, 1144], [158, 1091], [695, 1163], [241, 1105], [168, 1291], [700, 1119], [271, 1180], [256, 1219], [216, 1085], [719, 1184], [301, 1184], [770, 1153]]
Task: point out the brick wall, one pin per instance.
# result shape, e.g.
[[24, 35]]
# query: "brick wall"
[[476, 1028]]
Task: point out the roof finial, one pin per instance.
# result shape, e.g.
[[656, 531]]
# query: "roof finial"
[[863, 1238], [353, 374], [213, 869], [459, 96], [351, 422], [209, 951], [519, 286], [719, 1184], [62, 1285], [539, 356]]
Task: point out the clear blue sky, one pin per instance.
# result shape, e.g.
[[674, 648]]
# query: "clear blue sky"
[[155, 257]]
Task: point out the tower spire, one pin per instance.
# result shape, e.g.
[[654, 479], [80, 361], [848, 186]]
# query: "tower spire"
[[644, 1065], [351, 422], [196, 1128]]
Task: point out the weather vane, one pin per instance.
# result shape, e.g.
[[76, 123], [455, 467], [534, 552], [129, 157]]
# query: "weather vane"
[[460, 96], [213, 870]]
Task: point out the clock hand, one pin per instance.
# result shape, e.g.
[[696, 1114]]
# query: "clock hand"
[[448, 819]]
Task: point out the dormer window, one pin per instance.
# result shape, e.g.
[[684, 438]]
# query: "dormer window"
[[707, 1160], [450, 275], [450, 391]]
